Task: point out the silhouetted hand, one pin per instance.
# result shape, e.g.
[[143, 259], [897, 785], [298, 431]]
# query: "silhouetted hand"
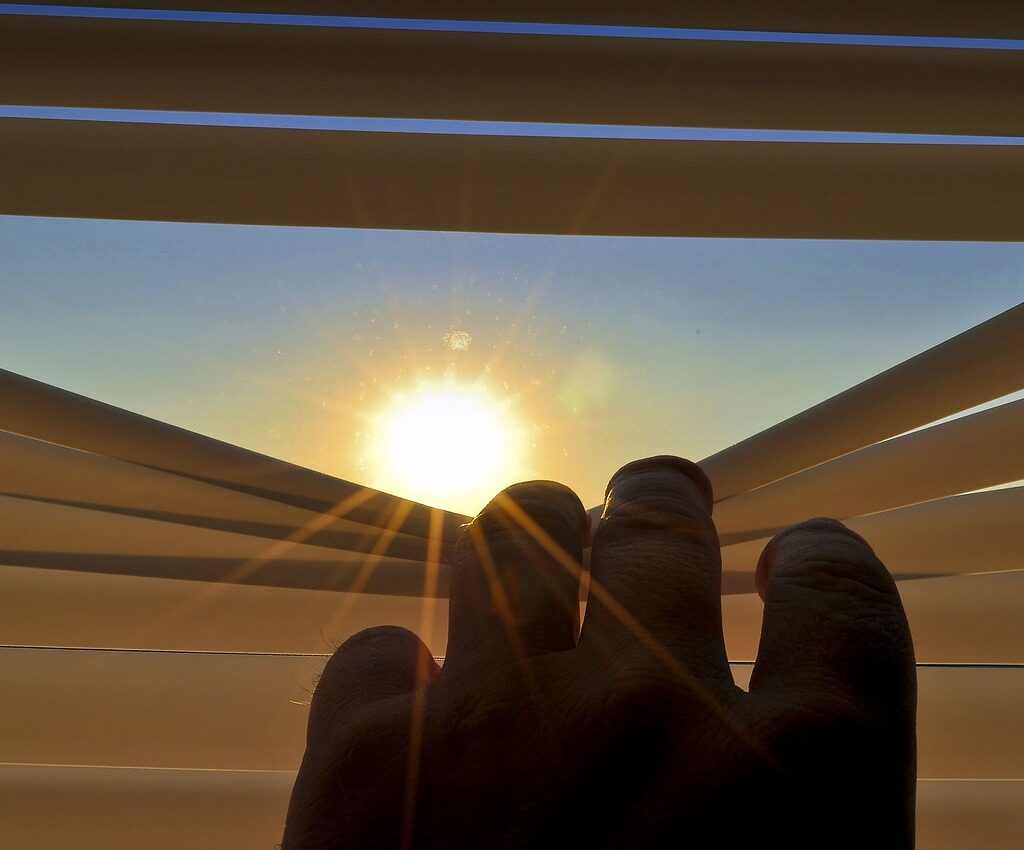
[[634, 735]]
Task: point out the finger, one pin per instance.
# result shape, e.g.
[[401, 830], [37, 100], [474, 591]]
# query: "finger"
[[515, 576], [834, 625], [371, 666], [655, 566]]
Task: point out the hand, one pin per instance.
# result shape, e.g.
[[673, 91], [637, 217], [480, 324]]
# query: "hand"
[[632, 735]]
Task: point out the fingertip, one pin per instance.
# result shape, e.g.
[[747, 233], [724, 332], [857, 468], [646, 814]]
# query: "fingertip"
[[666, 462], [800, 539], [834, 623], [371, 665], [516, 574], [655, 559], [761, 573], [551, 502]]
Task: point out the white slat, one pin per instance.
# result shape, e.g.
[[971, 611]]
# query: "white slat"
[[57, 807], [50, 607], [976, 366], [982, 19], [953, 620], [37, 533], [978, 814], [517, 184], [974, 533], [44, 471], [956, 619], [160, 709], [49, 807], [44, 412], [407, 73], [969, 453]]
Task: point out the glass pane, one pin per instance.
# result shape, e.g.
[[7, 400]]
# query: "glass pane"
[[442, 366]]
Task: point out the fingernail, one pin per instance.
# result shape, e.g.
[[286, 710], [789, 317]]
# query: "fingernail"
[[666, 462], [786, 546], [554, 500]]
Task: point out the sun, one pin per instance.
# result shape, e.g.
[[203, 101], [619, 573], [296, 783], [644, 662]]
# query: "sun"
[[447, 444]]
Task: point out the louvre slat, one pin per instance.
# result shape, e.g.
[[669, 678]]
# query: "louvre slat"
[[34, 409], [80, 808], [160, 709], [155, 709], [52, 607], [46, 807], [37, 533], [966, 454], [126, 64], [982, 19], [953, 620], [967, 721], [47, 472], [510, 184], [974, 533], [987, 815], [960, 619], [976, 366]]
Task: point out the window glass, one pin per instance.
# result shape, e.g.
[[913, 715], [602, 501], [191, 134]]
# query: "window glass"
[[444, 365]]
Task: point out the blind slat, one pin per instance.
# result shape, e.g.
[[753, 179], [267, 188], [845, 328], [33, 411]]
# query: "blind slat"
[[974, 533], [184, 714], [42, 534], [208, 67], [978, 365], [34, 409], [80, 808], [52, 607], [981, 450], [983, 18], [953, 620], [47, 472], [510, 184], [957, 619]]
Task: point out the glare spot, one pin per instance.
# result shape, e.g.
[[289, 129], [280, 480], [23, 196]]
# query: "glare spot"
[[447, 444], [456, 340]]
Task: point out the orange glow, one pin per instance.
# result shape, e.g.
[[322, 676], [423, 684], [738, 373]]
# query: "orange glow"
[[447, 444]]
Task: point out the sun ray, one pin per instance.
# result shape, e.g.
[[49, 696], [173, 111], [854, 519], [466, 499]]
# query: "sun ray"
[[368, 567], [419, 695], [644, 635], [500, 599], [207, 595]]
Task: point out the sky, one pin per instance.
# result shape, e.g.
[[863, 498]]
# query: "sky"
[[290, 341], [296, 341]]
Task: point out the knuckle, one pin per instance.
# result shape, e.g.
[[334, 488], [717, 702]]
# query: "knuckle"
[[805, 737], [820, 733], [637, 694]]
